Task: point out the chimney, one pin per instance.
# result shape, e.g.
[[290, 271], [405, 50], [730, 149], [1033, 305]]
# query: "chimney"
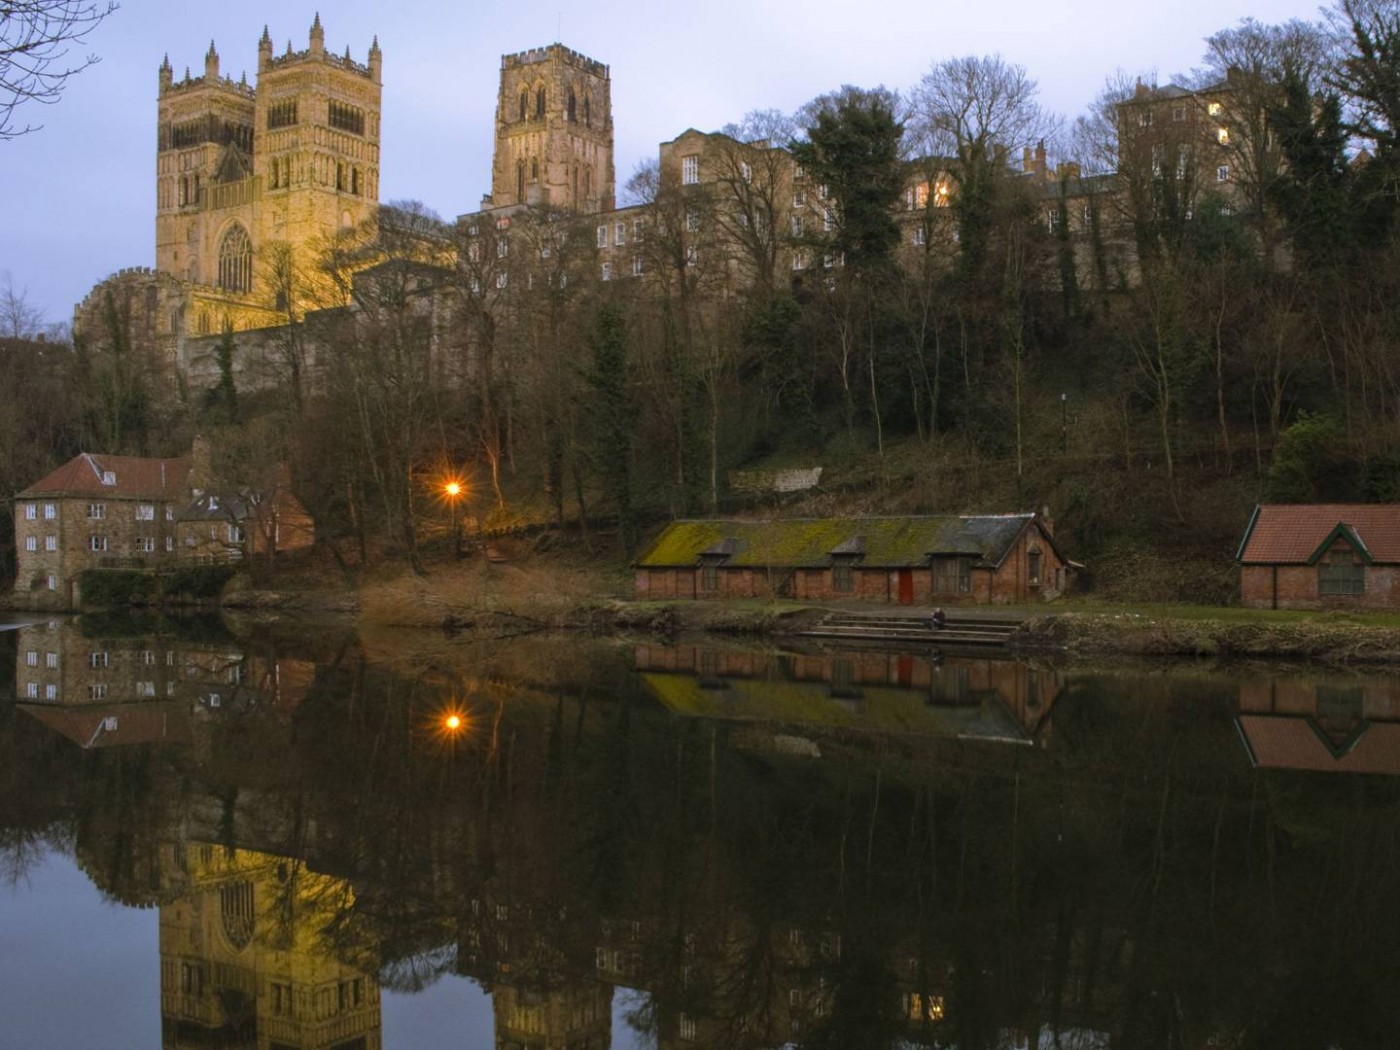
[[1047, 523]]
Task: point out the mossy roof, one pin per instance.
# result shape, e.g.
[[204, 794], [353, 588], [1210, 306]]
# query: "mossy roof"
[[810, 542]]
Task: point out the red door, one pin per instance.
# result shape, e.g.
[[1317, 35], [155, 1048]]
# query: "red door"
[[906, 586]]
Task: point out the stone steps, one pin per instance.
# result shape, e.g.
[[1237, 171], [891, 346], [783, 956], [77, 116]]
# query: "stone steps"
[[960, 631]]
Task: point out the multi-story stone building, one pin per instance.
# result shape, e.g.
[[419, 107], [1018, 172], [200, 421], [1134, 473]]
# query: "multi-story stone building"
[[95, 511]]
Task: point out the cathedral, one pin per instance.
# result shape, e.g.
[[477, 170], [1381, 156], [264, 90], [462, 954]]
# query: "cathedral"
[[253, 179]]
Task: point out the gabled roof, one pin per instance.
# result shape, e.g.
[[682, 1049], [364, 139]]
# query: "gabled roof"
[[811, 542], [133, 477], [215, 507], [112, 725], [1297, 533], [1297, 743]]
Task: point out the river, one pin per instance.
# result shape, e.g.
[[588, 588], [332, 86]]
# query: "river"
[[308, 837]]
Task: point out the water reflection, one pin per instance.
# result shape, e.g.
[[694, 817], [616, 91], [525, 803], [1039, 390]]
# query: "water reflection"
[[610, 849]]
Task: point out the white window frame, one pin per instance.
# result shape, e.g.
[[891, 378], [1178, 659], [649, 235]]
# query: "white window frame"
[[636, 266], [98, 658], [50, 543], [50, 692], [51, 661], [31, 512], [619, 234], [31, 658], [145, 512], [53, 582], [50, 512], [97, 543], [603, 235], [690, 170], [97, 511], [109, 477], [31, 691], [31, 543], [607, 271], [1222, 173], [97, 691]]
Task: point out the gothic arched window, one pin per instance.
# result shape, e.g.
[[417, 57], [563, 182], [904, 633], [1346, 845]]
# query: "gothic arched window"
[[588, 182], [587, 112], [573, 107], [236, 260], [539, 102], [524, 104], [520, 182], [534, 169]]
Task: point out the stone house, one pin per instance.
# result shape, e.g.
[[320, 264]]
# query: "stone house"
[[969, 559], [1321, 556], [216, 528], [95, 511]]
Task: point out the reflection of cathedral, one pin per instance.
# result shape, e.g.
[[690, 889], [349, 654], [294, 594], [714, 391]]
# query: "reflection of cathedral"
[[248, 957]]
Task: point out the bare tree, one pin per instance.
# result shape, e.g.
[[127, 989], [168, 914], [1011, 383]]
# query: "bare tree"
[[19, 318], [35, 39]]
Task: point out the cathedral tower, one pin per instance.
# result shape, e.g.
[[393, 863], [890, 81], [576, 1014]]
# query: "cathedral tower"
[[239, 169], [554, 132]]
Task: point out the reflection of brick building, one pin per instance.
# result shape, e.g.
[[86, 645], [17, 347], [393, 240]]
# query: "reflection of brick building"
[[1326, 725], [966, 697], [246, 959]]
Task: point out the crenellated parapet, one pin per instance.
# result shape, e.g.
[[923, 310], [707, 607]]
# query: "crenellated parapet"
[[556, 51]]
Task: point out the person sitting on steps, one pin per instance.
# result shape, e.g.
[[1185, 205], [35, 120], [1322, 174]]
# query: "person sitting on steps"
[[937, 621]]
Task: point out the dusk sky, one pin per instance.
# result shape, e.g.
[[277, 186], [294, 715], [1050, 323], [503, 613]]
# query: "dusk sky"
[[80, 194]]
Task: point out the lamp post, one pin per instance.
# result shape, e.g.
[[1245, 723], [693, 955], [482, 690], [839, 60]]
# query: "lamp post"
[[453, 491]]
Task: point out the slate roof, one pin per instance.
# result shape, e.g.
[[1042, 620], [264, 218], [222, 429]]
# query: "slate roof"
[[1297, 743], [810, 542], [216, 507], [135, 478], [1291, 534]]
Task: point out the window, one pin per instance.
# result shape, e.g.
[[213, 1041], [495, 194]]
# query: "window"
[[745, 172], [31, 543], [842, 577], [799, 199], [952, 576], [50, 692], [636, 229], [799, 260], [1214, 109], [31, 511], [31, 658], [50, 512], [50, 543], [636, 266], [53, 582], [1222, 173], [689, 1031], [109, 477], [97, 543], [1179, 113], [502, 247], [145, 544], [692, 220], [147, 657], [690, 170], [797, 226], [603, 236], [51, 660], [921, 236], [607, 271], [97, 691], [32, 690], [1033, 568], [501, 280], [692, 254], [235, 265], [539, 102], [1052, 219], [97, 511], [709, 576], [169, 544], [799, 172], [145, 512], [1341, 573], [620, 234], [97, 659], [145, 689], [828, 219], [1145, 118]]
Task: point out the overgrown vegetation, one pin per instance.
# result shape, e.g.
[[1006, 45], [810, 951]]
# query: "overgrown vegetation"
[[1146, 342]]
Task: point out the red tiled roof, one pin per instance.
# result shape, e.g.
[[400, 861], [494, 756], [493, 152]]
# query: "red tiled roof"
[[135, 478], [1294, 743], [111, 725], [1290, 534]]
